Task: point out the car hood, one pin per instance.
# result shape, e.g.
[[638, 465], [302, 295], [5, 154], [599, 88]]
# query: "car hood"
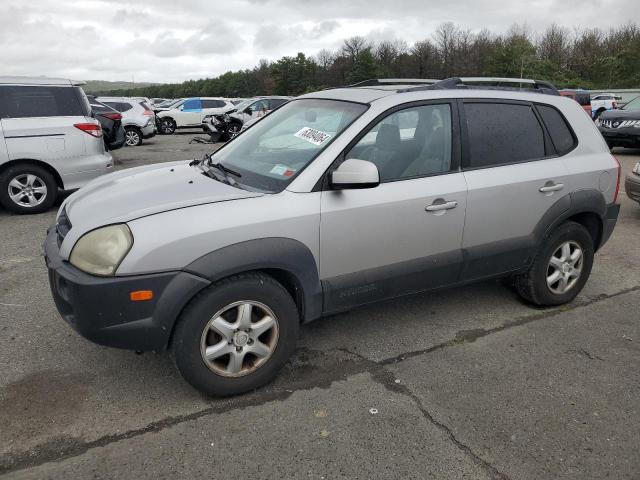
[[620, 114], [138, 192]]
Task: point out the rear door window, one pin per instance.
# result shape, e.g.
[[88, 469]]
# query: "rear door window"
[[213, 103], [18, 101], [502, 133], [558, 129]]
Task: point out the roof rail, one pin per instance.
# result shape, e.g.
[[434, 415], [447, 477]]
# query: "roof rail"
[[375, 82], [491, 83]]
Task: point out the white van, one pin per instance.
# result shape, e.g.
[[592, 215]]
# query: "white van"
[[48, 142]]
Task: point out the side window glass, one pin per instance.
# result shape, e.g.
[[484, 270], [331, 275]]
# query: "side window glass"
[[39, 101], [193, 104], [558, 129], [502, 133], [409, 143]]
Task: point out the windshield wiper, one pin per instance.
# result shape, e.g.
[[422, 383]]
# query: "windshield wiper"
[[225, 169]]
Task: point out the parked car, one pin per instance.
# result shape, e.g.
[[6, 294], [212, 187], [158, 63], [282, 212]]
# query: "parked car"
[[621, 128], [158, 101], [138, 118], [111, 122], [583, 97], [167, 105], [48, 142], [603, 103], [228, 125], [337, 199], [257, 107], [632, 184], [189, 114]]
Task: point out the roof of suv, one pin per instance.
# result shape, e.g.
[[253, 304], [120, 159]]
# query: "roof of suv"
[[15, 80]]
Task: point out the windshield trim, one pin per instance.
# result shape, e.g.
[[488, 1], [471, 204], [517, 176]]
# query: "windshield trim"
[[366, 106]]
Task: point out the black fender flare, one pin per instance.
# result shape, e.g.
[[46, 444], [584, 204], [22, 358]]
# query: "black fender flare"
[[280, 254], [574, 203]]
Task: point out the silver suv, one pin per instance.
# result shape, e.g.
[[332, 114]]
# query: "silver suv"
[[48, 142], [337, 199], [137, 117]]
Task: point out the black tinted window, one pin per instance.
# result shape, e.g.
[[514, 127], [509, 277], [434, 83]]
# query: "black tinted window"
[[558, 129], [276, 102], [213, 104], [501, 133], [41, 101]]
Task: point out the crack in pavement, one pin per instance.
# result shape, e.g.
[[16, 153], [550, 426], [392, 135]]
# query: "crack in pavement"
[[59, 449]]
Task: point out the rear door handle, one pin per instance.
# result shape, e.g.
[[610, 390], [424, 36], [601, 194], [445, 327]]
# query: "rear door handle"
[[437, 207], [552, 187]]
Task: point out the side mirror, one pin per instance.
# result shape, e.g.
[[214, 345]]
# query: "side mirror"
[[247, 110], [353, 173]]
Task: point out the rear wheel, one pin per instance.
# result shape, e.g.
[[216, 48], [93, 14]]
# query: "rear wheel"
[[27, 189], [133, 136], [561, 268], [236, 335]]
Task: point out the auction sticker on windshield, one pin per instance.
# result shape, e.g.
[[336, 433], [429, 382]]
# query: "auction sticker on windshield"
[[312, 135]]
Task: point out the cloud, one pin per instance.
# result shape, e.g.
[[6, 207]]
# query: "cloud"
[[167, 40]]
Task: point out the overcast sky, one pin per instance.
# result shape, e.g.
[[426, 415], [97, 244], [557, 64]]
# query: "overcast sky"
[[175, 40]]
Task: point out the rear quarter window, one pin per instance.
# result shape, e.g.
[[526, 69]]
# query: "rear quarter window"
[[558, 128], [17, 101], [502, 133]]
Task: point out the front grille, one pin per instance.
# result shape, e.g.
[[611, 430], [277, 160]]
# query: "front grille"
[[619, 123], [63, 226]]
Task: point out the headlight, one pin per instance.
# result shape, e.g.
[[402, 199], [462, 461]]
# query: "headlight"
[[100, 251], [636, 169]]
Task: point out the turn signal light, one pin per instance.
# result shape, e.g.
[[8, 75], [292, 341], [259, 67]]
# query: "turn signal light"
[[141, 295]]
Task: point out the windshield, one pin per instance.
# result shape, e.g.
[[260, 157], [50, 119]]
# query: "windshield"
[[633, 104], [244, 104], [273, 151]]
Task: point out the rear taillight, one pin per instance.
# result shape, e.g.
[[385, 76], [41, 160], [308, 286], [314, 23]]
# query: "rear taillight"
[[615, 197], [93, 129], [148, 113], [112, 116]]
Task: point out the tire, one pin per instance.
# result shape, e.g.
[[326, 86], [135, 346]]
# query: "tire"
[[534, 287], [234, 130], [133, 137], [167, 126], [16, 179], [221, 375]]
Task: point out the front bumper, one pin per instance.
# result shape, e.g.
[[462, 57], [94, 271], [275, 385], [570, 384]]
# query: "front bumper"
[[632, 187], [621, 137], [99, 308]]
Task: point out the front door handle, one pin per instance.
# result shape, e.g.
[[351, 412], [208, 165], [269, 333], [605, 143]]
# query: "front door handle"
[[438, 206], [551, 187]]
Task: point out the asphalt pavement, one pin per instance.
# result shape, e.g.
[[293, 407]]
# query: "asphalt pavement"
[[467, 383]]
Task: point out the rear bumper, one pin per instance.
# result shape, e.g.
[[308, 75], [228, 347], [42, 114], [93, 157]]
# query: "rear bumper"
[[102, 164], [149, 130], [100, 309], [632, 187], [609, 222]]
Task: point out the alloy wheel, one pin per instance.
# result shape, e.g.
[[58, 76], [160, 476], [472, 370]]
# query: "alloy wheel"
[[132, 138], [565, 267], [27, 190], [239, 339]]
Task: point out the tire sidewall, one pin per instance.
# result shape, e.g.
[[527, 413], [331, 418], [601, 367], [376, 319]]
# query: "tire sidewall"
[[567, 232], [16, 170], [187, 336]]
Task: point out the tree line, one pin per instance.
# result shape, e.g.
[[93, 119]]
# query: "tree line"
[[588, 58]]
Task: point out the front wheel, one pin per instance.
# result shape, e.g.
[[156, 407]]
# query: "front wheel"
[[234, 130], [167, 126], [236, 335], [561, 268], [27, 189]]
